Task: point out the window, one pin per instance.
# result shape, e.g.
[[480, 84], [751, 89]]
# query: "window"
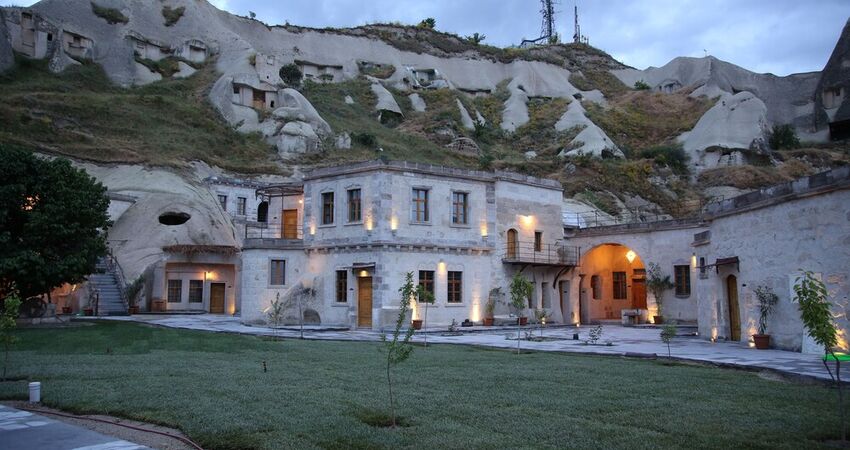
[[683, 280], [175, 291], [263, 212], [222, 200], [460, 208], [236, 89], [240, 205], [455, 282], [595, 287], [341, 286], [277, 275], [327, 208], [538, 241], [420, 205], [619, 285], [196, 291], [426, 280], [354, 209]]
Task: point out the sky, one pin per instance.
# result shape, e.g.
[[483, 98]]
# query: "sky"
[[775, 36]]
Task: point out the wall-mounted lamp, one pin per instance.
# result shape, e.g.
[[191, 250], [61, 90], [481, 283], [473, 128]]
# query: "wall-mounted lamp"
[[694, 260], [630, 256]]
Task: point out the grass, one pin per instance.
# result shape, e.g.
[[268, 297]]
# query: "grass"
[[172, 15], [111, 15], [80, 113], [319, 394]]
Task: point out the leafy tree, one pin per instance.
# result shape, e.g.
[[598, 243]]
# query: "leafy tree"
[[398, 348], [476, 38], [810, 294], [767, 301], [520, 289], [555, 39], [428, 23], [423, 296], [11, 305], [291, 74], [672, 156], [641, 85], [783, 136], [52, 223], [275, 313]]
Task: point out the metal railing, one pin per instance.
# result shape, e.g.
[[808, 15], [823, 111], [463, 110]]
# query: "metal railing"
[[681, 210], [114, 268], [549, 254], [263, 230]]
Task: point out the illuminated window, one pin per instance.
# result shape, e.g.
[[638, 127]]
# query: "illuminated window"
[[619, 285], [175, 291], [277, 272], [419, 212], [455, 287], [460, 208], [683, 280], [354, 207], [327, 208], [196, 291], [341, 286]]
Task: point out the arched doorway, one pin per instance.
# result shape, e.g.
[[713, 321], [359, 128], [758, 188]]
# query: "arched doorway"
[[513, 244], [734, 312], [263, 212], [613, 279]]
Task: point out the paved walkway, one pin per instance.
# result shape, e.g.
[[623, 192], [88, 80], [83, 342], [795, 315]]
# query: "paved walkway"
[[625, 341], [22, 430]]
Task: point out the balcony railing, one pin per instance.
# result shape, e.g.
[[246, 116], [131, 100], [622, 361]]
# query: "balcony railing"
[[544, 254], [263, 230]]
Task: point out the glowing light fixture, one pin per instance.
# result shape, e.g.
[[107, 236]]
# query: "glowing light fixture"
[[694, 260], [630, 255], [394, 223]]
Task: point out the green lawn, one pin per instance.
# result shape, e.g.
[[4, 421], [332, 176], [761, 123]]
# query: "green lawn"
[[212, 386]]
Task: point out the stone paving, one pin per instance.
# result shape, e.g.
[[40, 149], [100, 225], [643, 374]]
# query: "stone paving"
[[625, 341], [23, 430]]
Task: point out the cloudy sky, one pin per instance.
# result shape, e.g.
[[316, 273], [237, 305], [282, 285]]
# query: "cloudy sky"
[[776, 36]]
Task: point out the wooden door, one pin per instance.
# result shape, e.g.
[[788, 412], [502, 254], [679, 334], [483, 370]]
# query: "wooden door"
[[512, 244], [364, 302], [565, 300], [734, 312], [217, 298], [290, 224], [638, 293]]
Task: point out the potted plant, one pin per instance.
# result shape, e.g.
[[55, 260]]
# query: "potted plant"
[[423, 296], [766, 303], [88, 311], [417, 324], [133, 291], [489, 309], [66, 309], [657, 283]]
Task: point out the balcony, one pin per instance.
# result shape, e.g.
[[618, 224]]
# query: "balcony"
[[273, 235], [527, 253]]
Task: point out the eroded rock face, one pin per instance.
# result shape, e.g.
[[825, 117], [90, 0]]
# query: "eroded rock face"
[[417, 102], [297, 138], [591, 140], [343, 141], [7, 58], [295, 106]]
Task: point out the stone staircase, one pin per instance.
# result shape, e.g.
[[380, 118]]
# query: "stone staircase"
[[105, 280]]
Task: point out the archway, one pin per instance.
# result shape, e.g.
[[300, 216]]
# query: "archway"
[[734, 312], [614, 280], [263, 212]]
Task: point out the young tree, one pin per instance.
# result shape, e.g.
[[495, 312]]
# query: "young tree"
[[399, 348], [811, 297], [426, 297], [428, 23], [291, 75], [668, 332], [476, 38], [520, 289], [52, 223], [275, 313], [298, 300], [8, 323], [657, 283]]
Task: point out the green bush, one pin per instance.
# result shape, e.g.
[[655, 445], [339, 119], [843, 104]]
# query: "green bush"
[[111, 15], [783, 136], [428, 23], [365, 139], [641, 85], [672, 156], [172, 15], [291, 74]]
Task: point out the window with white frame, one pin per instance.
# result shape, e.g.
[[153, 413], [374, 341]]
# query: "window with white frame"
[[175, 291]]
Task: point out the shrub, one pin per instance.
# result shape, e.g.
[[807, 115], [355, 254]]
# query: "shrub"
[[111, 15], [641, 85], [783, 136], [476, 38], [672, 156], [172, 15], [428, 23], [291, 74], [365, 139]]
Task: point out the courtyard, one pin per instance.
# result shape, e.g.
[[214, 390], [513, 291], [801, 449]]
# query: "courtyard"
[[321, 393]]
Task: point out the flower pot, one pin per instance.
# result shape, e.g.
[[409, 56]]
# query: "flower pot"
[[489, 321], [417, 324], [88, 311], [66, 310], [159, 305], [657, 319], [762, 341], [523, 321], [134, 309]]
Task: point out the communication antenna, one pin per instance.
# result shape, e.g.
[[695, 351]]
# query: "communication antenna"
[[577, 35], [547, 10]]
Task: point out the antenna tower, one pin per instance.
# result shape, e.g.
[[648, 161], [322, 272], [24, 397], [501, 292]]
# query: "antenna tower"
[[547, 10]]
